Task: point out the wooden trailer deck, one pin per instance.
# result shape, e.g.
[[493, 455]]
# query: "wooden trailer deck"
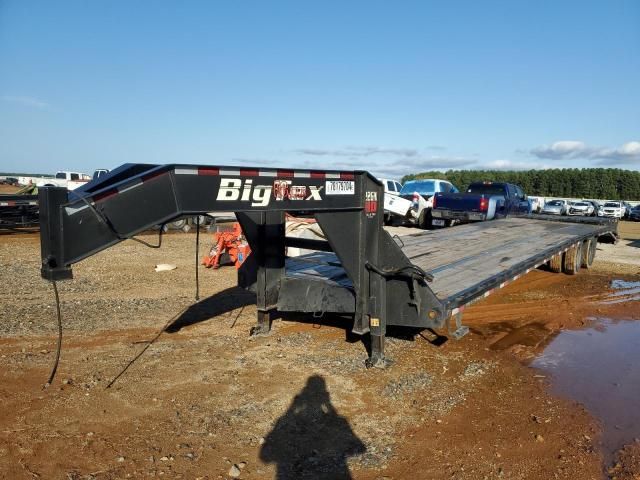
[[468, 260]]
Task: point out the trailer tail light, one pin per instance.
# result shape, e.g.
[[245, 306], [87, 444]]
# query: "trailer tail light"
[[484, 204]]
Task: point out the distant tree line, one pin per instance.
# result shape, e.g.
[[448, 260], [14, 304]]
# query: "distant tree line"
[[603, 183]]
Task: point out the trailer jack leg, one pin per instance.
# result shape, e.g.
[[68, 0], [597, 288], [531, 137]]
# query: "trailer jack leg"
[[264, 324], [377, 358], [460, 330]]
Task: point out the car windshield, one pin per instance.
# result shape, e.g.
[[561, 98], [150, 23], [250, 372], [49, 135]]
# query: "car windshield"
[[423, 187], [555, 203], [486, 188], [612, 205], [580, 204]]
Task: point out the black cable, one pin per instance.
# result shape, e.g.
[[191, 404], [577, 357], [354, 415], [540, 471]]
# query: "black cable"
[[197, 248], [59, 347], [411, 271], [107, 223]]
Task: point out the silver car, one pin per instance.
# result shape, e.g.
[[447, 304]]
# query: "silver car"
[[556, 207], [581, 208]]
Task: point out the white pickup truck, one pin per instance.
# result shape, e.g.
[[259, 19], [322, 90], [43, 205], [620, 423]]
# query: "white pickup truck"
[[70, 180], [413, 204]]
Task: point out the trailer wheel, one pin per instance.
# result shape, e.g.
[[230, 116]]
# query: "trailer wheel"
[[555, 264], [589, 251], [178, 224], [573, 259]]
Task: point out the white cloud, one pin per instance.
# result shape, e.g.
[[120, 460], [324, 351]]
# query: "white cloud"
[[628, 153], [500, 164], [32, 102], [571, 149], [387, 162], [351, 151], [564, 149]]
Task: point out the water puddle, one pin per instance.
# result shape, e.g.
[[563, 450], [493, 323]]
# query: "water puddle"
[[624, 291], [600, 368]]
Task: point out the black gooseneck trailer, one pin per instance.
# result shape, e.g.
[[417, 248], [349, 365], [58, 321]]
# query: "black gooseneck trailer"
[[18, 211], [422, 280]]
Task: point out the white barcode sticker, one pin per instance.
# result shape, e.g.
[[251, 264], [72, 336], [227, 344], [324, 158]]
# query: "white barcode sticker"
[[340, 187]]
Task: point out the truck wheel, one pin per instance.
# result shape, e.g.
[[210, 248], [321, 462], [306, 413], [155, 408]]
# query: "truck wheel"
[[573, 259], [424, 220], [555, 264], [427, 219], [589, 251]]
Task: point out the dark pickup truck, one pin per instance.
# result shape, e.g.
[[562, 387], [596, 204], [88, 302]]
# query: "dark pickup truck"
[[482, 201]]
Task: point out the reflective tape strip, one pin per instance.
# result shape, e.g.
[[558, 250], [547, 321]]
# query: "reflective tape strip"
[[210, 171], [186, 171], [153, 175], [249, 172], [130, 186], [74, 210]]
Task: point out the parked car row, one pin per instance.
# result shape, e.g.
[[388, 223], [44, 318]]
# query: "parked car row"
[[438, 203], [589, 208]]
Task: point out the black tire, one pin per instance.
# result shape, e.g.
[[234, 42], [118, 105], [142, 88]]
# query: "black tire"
[[555, 264], [178, 224], [589, 252], [424, 220], [573, 259]]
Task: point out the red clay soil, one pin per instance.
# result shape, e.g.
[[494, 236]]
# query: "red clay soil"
[[203, 400]]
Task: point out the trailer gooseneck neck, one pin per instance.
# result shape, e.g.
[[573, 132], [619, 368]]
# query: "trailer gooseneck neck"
[[380, 286]]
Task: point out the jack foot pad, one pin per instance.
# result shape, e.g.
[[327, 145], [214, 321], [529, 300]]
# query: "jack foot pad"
[[259, 330], [460, 332], [377, 362]]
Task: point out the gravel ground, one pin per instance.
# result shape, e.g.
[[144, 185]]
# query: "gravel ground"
[[203, 397]]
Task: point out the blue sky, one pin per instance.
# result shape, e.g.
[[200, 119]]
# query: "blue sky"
[[391, 87]]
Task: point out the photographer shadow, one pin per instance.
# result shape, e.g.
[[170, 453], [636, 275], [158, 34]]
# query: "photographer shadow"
[[311, 440]]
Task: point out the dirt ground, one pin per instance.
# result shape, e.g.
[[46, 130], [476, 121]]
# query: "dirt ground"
[[152, 383]]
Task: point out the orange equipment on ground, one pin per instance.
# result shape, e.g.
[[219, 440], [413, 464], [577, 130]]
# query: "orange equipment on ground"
[[231, 242]]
